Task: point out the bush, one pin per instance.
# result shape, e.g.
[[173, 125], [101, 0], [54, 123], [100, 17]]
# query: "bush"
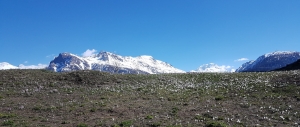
[[7, 115], [8, 123], [93, 110], [82, 125], [218, 98], [154, 125], [126, 123], [149, 117], [215, 124]]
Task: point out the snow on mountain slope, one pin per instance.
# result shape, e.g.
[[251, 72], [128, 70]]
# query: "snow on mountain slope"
[[39, 66], [106, 61], [211, 67], [270, 61], [5, 65]]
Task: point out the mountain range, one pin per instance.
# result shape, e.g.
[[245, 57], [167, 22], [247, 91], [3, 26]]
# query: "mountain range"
[[109, 62], [6, 65], [270, 61]]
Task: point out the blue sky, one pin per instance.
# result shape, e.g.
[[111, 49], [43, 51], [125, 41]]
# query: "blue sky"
[[186, 34]]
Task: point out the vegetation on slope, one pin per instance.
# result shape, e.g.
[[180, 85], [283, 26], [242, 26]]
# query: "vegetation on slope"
[[93, 98]]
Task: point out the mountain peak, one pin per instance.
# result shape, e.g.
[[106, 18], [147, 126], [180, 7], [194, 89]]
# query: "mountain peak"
[[146, 57], [279, 53], [212, 67], [106, 61], [103, 56], [104, 53], [108, 56], [270, 61], [6, 65]]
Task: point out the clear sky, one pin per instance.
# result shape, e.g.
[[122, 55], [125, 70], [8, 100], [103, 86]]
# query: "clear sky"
[[186, 34]]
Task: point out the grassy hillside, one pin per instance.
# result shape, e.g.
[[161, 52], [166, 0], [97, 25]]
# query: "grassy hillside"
[[92, 98]]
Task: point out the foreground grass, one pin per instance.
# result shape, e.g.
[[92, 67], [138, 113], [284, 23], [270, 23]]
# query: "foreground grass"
[[91, 98]]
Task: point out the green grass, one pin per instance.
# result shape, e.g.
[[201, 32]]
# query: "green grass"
[[9, 115], [8, 123], [92, 98]]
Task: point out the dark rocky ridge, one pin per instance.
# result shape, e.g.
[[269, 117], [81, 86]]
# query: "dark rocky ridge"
[[292, 66]]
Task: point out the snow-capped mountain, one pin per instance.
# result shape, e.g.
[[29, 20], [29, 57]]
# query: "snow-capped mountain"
[[270, 61], [5, 65], [211, 67], [109, 62]]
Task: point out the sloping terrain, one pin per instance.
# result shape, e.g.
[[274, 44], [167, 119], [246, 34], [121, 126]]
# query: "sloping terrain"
[[292, 66], [270, 61], [93, 98]]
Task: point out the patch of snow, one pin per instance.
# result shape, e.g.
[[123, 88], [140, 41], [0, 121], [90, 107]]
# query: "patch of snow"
[[212, 67], [5, 66], [39, 66], [279, 53]]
